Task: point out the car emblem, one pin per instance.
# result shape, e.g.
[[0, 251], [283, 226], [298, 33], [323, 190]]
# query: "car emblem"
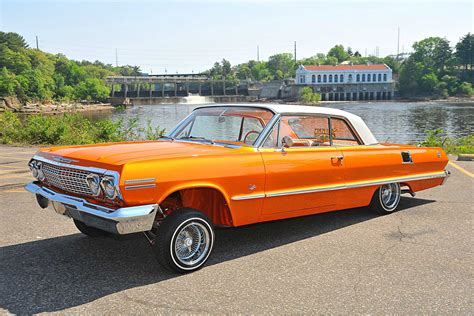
[[252, 187], [62, 159]]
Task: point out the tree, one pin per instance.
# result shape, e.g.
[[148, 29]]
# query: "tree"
[[7, 83], [349, 51], [13, 41], [92, 89], [428, 83], [260, 72], [226, 68], [410, 76], [357, 54], [433, 52], [465, 51], [283, 62], [339, 53]]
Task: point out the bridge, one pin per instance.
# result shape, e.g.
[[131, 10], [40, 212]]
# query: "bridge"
[[159, 86]]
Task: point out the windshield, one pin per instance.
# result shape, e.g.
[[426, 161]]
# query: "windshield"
[[230, 125]]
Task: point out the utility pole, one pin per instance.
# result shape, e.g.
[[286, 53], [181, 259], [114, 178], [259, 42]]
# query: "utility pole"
[[258, 54], [398, 44], [37, 45], [295, 52], [116, 58]]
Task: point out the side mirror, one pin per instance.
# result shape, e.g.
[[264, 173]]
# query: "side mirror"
[[287, 142]]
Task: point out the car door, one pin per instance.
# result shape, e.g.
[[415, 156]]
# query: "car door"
[[305, 176]]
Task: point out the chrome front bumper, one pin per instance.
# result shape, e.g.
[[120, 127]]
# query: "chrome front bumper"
[[124, 220]]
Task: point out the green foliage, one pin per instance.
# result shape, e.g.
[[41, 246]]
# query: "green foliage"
[[465, 88], [433, 52], [71, 129], [281, 66], [308, 96], [465, 51], [92, 89], [32, 75], [339, 53], [434, 71], [12, 40], [461, 145]]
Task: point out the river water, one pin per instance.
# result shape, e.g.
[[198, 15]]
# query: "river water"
[[395, 122]]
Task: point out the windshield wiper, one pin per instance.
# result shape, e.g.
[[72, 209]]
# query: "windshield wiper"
[[198, 138]]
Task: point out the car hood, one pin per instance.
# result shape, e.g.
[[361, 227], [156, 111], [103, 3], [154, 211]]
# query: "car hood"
[[120, 153]]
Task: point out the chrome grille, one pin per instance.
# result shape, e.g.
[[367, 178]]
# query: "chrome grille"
[[67, 179]]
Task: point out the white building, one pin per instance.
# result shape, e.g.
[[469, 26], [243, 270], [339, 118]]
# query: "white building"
[[348, 82]]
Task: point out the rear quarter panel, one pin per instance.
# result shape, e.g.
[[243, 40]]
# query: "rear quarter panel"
[[378, 162]]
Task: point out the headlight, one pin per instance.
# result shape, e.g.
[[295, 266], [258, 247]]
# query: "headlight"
[[108, 185], [33, 168], [93, 181], [39, 168]]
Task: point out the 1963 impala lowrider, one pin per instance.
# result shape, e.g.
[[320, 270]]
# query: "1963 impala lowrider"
[[230, 165]]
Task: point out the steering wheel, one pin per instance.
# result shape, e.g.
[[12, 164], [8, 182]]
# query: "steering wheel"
[[248, 134]]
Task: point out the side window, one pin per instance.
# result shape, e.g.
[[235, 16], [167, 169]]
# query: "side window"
[[342, 134], [272, 139], [251, 128], [304, 130]]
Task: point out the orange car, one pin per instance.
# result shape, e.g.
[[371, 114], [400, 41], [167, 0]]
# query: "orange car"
[[230, 165]]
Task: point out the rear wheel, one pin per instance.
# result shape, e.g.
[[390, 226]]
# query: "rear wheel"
[[88, 230], [184, 241], [386, 198]]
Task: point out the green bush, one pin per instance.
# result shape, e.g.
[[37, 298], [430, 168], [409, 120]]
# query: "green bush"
[[71, 129], [308, 96], [461, 145], [465, 88]]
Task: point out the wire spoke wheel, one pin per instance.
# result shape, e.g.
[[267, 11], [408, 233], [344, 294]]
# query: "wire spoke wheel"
[[192, 243], [390, 195]]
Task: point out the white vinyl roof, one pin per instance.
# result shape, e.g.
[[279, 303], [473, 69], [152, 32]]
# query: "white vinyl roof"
[[361, 128]]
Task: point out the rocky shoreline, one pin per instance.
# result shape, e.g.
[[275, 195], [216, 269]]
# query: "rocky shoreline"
[[9, 104]]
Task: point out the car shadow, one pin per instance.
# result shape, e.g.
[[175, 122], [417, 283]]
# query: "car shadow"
[[58, 273]]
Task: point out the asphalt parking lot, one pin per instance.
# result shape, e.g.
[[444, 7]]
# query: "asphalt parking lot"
[[417, 260]]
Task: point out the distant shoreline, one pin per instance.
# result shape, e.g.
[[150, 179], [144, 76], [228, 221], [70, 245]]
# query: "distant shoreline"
[[60, 108]]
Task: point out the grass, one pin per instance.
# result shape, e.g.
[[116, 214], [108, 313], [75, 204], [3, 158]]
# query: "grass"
[[71, 129], [461, 145]]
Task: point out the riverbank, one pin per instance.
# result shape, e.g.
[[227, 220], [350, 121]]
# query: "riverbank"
[[10, 104]]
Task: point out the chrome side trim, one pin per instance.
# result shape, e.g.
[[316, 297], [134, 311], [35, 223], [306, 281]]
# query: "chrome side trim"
[[443, 174], [135, 181], [124, 220], [448, 174], [247, 197], [140, 186], [312, 190]]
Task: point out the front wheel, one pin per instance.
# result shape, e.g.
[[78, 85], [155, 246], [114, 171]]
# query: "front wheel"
[[386, 198], [184, 240]]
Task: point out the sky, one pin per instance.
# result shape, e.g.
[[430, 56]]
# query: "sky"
[[189, 36]]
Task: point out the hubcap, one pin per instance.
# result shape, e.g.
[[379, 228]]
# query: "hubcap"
[[390, 195], [192, 243]]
